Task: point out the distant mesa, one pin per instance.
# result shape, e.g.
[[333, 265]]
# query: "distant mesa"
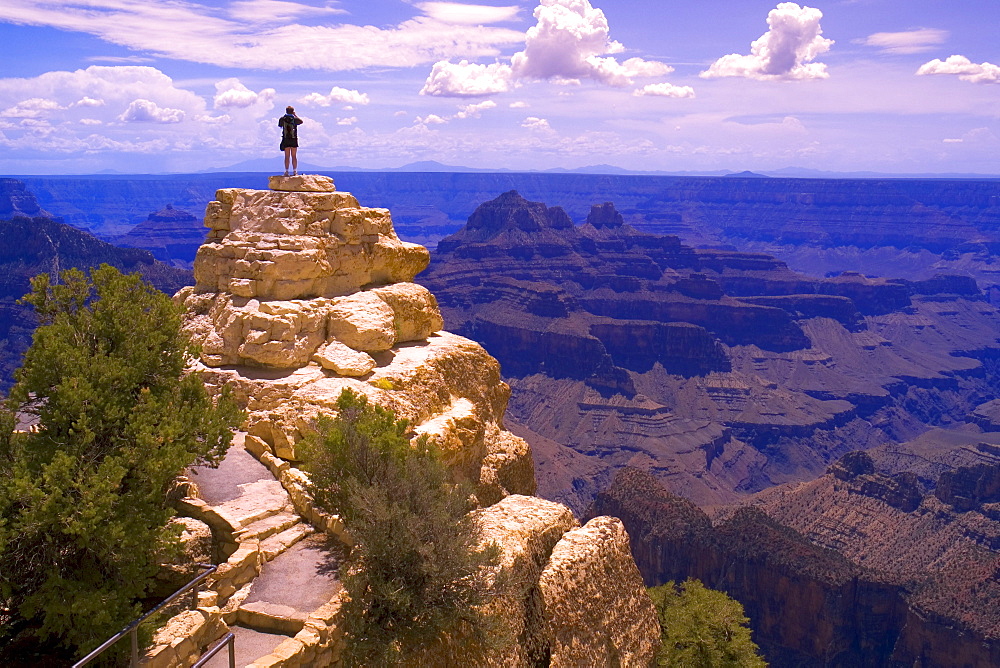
[[747, 174], [605, 215]]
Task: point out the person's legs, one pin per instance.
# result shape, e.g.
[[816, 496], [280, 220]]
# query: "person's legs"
[[288, 153], [295, 159]]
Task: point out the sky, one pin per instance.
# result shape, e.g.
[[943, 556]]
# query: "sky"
[[136, 86]]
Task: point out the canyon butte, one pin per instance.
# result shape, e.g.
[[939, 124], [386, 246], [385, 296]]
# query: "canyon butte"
[[716, 402], [301, 293]]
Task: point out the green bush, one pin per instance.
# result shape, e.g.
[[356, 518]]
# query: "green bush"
[[702, 628], [83, 511], [415, 571]]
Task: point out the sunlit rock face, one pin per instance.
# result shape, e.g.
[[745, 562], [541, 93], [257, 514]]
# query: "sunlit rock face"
[[302, 293]]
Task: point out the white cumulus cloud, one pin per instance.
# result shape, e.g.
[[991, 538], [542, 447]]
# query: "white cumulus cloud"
[[147, 111], [88, 102], [231, 93], [964, 68], [570, 41], [785, 52], [465, 79], [430, 119], [350, 120], [475, 110], [31, 108], [337, 95], [664, 90], [907, 41], [535, 123]]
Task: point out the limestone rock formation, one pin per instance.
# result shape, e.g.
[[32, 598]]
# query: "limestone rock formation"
[[594, 601], [302, 293], [565, 595]]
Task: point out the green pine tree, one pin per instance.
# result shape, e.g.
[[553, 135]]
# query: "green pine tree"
[[83, 509], [414, 574], [702, 628]]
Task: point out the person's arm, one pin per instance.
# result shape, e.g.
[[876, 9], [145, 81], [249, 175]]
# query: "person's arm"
[[298, 121]]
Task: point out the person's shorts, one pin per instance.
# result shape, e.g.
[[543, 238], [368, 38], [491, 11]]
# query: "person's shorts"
[[289, 143]]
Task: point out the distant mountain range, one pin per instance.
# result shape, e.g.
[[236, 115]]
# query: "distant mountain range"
[[275, 165]]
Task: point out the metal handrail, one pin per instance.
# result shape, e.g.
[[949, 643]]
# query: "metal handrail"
[[228, 639], [132, 629]]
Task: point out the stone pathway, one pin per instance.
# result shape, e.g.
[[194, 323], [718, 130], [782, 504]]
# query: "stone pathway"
[[299, 573]]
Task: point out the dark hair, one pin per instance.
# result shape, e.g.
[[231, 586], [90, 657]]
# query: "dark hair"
[[289, 109]]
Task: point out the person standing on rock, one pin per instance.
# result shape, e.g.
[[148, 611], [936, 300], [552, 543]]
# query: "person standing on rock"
[[289, 124]]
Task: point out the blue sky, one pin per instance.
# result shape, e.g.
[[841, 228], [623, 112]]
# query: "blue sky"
[[901, 86]]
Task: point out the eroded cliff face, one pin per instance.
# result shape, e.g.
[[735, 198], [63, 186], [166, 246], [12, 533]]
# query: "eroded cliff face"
[[889, 559], [301, 293], [721, 372]]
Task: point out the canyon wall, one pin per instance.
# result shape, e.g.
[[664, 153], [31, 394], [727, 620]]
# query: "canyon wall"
[[721, 372]]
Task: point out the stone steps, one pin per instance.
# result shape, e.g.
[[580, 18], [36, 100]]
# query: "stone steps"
[[270, 618], [280, 542], [250, 645], [268, 526], [277, 572]]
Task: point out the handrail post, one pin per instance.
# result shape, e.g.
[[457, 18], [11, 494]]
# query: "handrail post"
[[134, 637]]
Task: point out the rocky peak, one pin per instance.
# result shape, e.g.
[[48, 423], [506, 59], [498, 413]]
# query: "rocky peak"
[[511, 211], [605, 215], [852, 465], [169, 214], [969, 487]]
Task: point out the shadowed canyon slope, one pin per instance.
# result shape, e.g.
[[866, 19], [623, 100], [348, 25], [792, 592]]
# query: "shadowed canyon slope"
[[889, 559], [721, 372], [36, 244]]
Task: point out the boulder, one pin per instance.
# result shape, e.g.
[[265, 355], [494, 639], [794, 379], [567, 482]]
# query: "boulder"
[[301, 183], [595, 606], [362, 321], [415, 310], [525, 528], [343, 360]]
